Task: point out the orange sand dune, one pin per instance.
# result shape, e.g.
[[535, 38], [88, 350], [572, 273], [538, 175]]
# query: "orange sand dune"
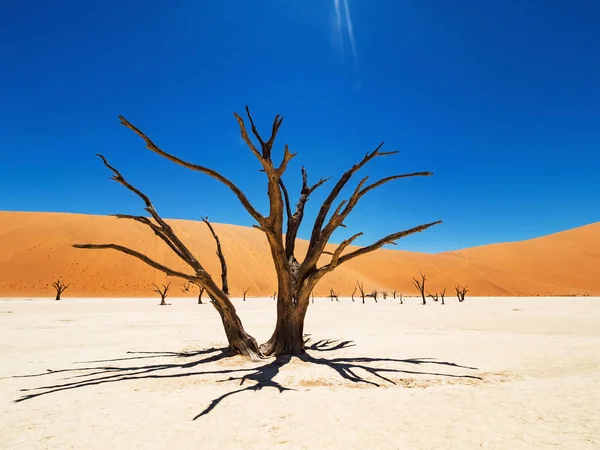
[[36, 247]]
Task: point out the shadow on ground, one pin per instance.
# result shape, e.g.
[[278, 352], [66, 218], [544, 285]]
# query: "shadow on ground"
[[365, 370]]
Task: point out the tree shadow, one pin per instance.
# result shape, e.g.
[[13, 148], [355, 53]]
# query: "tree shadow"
[[365, 370]]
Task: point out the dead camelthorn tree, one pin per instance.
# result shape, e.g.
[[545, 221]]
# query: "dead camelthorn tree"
[[244, 292], [442, 295], [362, 291], [420, 285], [433, 297], [333, 295], [461, 291], [274, 295], [162, 292], [384, 294], [186, 286], [401, 301], [295, 279], [60, 287], [353, 292], [373, 295], [394, 292], [200, 295]]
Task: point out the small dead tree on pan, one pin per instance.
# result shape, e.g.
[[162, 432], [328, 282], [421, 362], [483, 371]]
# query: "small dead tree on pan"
[[186, 286], [295, 279], [442, 295], [373, 295], [401, 300], [333, 294], [244, 292], [162, 292], [433, 297], [362, 290], [60, 287], [461, 291], [353, 292], [394, 292], [200, 295], [420, 285], [384, 294]]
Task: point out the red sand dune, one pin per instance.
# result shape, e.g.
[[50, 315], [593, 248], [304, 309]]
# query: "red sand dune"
[[36, 248]]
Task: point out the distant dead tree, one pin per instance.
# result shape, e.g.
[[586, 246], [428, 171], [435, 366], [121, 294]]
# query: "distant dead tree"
[[353, 292], [295, 279], [401, 301], [244, 292], [162, 292], [433, 297], [60, 287], [420, 285], [186, 286], [373, 295], [200, 295], [333, 295], [274, 295], [362, 290], [461, 291], [394, 292], [442, 295], [384, 294]]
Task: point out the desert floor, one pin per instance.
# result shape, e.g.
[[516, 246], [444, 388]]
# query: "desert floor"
[[504, 373]]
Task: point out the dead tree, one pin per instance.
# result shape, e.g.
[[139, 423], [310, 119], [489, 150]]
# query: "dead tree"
[[420, 285], [353, 292], [244, 292], [461, 291], [384, 294], [162, 292], [442, 295], [200, 295], [60, 287], [333, 295], [295, 279], [401, 301], [373, 295], [186, 286], [433, 297], [394, 292], [362, 291], [274, 295]]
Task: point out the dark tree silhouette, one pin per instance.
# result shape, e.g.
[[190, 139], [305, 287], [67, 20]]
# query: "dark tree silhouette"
[[373, 295], [200, 295], [394, 292], [353, 292], [401, 301], [461, 291], [333, 295], [420, 285], [186, 286], [244, 292], [60, 287], [442, 295], [384, 294], [362, 290], [162, 292], [433, 297], [295, 279]]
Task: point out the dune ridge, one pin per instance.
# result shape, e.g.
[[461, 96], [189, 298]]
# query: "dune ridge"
[[36, 247]]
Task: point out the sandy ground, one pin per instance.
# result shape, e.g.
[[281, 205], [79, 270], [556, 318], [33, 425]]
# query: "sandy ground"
[[509, 373], [36, 248]]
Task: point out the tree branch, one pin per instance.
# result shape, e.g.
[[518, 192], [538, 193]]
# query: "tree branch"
[[140, 256], [220, 255], [205, 170], [163, 230]]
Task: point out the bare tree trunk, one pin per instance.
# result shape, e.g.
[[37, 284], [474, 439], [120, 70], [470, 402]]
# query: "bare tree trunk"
[[200, 296], [288, 337], [240, 342], [162, 301]]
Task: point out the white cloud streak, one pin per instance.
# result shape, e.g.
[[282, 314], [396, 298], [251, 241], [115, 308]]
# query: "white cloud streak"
[[345, 22]]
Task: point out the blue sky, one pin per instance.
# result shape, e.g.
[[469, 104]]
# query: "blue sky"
[[500, 99]]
